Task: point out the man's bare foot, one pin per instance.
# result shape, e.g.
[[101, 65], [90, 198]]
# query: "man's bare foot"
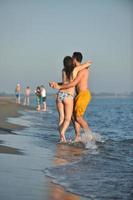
[[77, 139]]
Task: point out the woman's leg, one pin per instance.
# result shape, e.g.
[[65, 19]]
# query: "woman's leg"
[[60, 109], [68, 108]]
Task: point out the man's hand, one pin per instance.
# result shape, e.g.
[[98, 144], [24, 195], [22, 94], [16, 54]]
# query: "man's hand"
[[54, 85], [90, 61]]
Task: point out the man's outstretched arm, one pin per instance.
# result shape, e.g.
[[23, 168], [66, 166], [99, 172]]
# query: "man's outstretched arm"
[[66, 86]]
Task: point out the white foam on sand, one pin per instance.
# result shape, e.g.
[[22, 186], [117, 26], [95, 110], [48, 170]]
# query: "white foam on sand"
[[23, 121]]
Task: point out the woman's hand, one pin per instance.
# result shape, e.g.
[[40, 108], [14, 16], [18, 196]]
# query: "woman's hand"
[[54, 85]]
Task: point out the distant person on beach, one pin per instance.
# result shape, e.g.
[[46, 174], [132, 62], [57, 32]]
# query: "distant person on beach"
[[43, 97], [27, 96], [17, 93], [38, 98], [65, 96], [82, 98]]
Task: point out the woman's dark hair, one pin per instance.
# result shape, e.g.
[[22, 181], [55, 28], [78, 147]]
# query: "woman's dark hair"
[[68, 66]]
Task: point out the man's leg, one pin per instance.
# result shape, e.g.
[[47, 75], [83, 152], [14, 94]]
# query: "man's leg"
[[83, 123], [77, 128], [87, 131], [38, 104], [81, 104], [77, 131], [44, 106], [19, 99], [28, 101], [24, 101]]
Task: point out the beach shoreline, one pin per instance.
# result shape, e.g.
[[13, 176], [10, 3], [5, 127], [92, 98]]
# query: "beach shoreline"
[[14, 151], [8, 108], [34, 166]]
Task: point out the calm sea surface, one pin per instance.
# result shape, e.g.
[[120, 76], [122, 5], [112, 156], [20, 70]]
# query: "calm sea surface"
[[102, 173]]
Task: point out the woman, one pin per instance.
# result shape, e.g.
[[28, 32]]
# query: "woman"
[[64, 100]]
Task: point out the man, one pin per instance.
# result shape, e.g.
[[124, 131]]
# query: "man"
[[82, 98], [43, 95], [17, 92]]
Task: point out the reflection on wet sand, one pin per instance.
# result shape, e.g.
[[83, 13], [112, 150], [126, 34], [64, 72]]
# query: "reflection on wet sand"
[[58, 193], [64, 154]]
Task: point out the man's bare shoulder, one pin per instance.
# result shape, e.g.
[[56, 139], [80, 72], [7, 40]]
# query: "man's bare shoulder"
[[83, 71]]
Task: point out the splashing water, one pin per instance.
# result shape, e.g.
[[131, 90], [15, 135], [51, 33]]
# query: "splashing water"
[[89, 139]]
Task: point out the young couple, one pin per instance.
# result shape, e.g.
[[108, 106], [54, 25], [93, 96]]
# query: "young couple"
[[74, 80], [40, 97]]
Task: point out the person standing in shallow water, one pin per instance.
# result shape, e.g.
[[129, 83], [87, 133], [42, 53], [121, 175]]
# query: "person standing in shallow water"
[[38, 98], [43, 97], [17, 93], [27, 96], [82, 98]]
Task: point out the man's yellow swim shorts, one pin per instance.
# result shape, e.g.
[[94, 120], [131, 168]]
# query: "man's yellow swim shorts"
[[81, 102]]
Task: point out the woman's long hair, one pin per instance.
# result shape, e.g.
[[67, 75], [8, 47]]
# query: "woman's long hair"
[[68, 66]]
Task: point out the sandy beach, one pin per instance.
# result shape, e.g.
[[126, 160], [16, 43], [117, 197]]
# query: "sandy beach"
[[22, 163], [8, 109]]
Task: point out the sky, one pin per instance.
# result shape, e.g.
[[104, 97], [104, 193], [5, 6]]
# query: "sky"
[[35, 36]]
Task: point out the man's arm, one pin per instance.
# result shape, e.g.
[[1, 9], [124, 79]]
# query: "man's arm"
[[81, 67], [69, 85]]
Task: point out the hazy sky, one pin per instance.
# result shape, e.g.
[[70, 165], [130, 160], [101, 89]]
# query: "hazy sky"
[[35, 36]]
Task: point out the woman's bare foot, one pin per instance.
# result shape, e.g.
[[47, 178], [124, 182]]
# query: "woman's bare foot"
[[62, 141], [63, 138]]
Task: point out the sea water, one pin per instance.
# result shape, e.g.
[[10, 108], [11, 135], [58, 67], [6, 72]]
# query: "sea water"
[[104, 172]]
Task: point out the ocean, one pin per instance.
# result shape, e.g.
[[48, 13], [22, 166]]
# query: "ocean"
[[104, 172]]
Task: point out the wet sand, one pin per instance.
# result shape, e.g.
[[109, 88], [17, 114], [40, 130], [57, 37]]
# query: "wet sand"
[[22, 163], [8, 109]]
